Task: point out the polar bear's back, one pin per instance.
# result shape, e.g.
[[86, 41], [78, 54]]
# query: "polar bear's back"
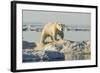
[[49, 27]]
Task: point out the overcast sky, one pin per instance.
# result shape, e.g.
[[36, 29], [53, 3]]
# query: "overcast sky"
[[68, 18]]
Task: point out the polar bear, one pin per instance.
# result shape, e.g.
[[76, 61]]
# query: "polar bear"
[[52, 30]]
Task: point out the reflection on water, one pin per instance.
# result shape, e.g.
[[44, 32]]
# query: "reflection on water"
[[77, 56]]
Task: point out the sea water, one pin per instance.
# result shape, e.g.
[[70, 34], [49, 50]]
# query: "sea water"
[[33, 36]]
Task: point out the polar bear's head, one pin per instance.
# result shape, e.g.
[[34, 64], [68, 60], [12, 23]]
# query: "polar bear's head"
[[60, 27]]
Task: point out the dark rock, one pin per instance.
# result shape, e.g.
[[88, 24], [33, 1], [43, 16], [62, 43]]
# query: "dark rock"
[[42, 56], [28, 45], [30, 58], [25, 29], [54, 56]]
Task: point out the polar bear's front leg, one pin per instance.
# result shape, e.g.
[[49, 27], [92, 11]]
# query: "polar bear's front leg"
[[43, 37], [54, 37]]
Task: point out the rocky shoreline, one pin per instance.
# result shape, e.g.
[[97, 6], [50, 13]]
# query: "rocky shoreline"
[[58, 51]]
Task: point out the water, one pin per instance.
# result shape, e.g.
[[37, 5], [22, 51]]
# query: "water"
[[33, 36]]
